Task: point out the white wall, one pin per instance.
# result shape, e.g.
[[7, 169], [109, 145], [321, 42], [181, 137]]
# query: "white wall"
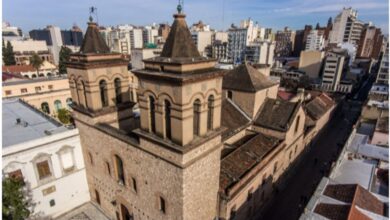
[[71, 189]]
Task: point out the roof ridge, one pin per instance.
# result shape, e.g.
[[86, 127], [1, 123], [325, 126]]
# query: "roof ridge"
[[239, 109]]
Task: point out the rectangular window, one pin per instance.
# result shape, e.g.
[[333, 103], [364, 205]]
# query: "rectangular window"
[[134, 184], [38, 89], [162, 205], [43, 169], [8, 92], [67, 161], [275, 167], [230, 94], [24, 90], [297, 124], [50, 86], [250, 194], [108, 168]]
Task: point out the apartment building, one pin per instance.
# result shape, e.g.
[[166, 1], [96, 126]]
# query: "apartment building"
[[260, 52], [315, 40], [335, 62], [383, 73], [239, 38], [346, 27], [284, 42]]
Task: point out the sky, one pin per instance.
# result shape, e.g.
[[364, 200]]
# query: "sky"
[[220, 14]]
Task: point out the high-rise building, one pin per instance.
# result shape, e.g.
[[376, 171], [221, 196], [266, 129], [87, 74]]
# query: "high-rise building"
[[315, 40], [284, 42], [346, 27], [149, 35], [56, 38], [335, 62], [260, 52], [11, 33], [202, 39], [239, 38], [383, 73], [370, 43], [163, 31]]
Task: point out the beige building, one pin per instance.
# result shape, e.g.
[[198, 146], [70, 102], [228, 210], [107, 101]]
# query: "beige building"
[[24, 49], [311, 62], [206, 144], [48, 95]]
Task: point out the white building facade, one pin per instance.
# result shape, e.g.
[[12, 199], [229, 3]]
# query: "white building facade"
[[315, 40], [47, 157], [346, 27]]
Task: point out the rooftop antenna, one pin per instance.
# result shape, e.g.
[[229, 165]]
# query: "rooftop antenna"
[[93, 11]]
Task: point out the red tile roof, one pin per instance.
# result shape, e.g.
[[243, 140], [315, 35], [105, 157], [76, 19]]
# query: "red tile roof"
[[8, 76], [355, 196], [18, 68]]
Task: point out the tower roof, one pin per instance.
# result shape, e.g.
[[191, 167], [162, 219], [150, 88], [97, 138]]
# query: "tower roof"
[[93, 41], [247, 79], [179, 43]]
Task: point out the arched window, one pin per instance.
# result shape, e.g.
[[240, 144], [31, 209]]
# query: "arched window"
[[103, 92], [69, 101], [167, 111], [45, 107], [48, 74], [41, 75], [118, 94], [34, 76], [57, 105], [210, 111], [151, 114], [120, 174], [84, 93], [196, 117]]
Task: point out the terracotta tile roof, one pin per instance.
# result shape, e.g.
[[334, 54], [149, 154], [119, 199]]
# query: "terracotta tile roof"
[[355, 214], [354, 195], [277, 114], [333, 211], [8, 76], [93, 41], [247, 79], [231, 118], [341, 192], [366, 200], [179, 43], [238, 163], [18, 69], [319, 106]]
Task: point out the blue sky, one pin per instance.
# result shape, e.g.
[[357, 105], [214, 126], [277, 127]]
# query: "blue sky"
[[31, 14]]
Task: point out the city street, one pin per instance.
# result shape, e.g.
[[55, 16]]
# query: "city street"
[[304, 177]]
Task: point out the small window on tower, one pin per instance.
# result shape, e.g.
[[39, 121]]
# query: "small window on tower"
[[230, 94], [162, 205]]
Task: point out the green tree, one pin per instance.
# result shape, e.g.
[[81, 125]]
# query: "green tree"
[[15, 205], [36, 62], [8, 54], [64, 57], [64, 116]]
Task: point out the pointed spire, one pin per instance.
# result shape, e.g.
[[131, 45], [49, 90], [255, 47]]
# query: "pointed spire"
[[179, 43], [93, 41]]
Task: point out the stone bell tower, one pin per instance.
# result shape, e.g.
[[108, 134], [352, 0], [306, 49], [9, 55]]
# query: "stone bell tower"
[[180, 96], [99, 82]]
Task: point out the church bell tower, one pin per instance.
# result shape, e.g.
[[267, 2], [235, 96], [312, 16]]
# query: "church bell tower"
[[180, 96]]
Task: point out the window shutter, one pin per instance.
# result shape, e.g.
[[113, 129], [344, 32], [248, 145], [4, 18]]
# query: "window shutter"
[[67, 160]]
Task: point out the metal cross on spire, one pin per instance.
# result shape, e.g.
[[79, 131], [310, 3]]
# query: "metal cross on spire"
[[180, 6], [93, 10]]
